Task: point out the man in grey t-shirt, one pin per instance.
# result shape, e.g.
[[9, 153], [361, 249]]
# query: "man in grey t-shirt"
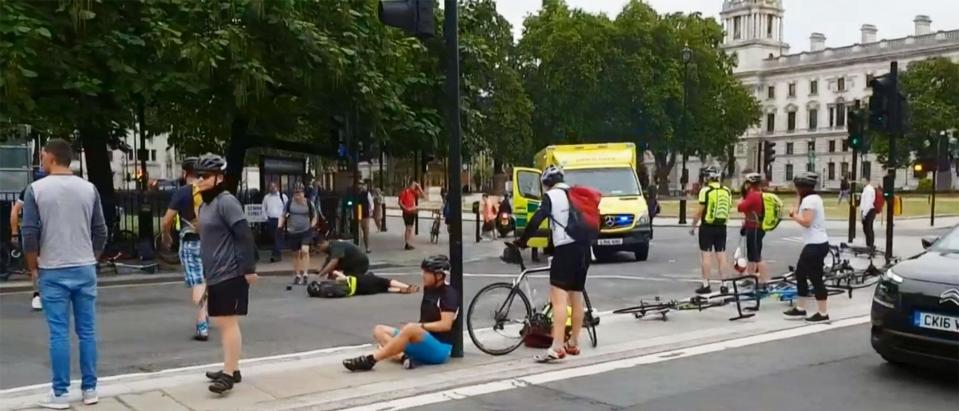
[[229, 266]]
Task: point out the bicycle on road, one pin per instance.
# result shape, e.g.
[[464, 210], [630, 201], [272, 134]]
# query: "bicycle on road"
[[500, 315]]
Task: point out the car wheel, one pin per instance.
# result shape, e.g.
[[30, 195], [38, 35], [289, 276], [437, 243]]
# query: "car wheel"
[[642, 252]]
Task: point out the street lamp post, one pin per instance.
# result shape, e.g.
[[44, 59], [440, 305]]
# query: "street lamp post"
[[935, 178], [687, 55]]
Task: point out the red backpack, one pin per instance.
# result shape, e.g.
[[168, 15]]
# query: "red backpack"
[[880, 200], [583, 224]]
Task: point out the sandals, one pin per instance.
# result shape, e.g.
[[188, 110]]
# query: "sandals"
[[549, 356]]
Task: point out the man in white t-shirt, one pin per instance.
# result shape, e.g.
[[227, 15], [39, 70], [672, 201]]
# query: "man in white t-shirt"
[[868, 212], [811, 215], [274, 205]]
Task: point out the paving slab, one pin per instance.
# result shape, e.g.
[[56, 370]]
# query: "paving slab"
[[152, 399]]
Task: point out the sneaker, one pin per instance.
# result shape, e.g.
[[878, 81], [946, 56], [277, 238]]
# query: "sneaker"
[[56, 402], [818, 318], [202, 331], [794, 314], [549, 356], [704, 290], [361, 363], [221, 384], [213, 375], [409, 363], [35, 303], [90, 397]]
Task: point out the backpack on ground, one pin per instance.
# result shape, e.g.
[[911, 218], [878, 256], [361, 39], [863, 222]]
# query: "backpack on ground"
[[880, 200], [583, 222], [539, 331], [327, 289], [772, 212]]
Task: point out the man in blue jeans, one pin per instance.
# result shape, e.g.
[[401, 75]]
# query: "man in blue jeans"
[[63, 233]]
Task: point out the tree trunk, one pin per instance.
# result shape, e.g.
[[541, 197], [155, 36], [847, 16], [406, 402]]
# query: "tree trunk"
[[236, 153], [94, 140], [664, 165]]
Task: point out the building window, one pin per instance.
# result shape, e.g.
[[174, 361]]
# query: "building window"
[[844, 169], [811, 146], [769, 26], [832, 171], [841, 84], [845, 145], [813, 87], [832, 116], [832, 146], [153, 155], [789, 172], [789, 148], [867, 170], [771, 92], [792, 89], [737, 28], [791, 121], [770, 122], [840, 115], [813, 119]]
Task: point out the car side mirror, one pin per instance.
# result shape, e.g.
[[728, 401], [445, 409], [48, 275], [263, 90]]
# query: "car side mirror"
[[927, 241]]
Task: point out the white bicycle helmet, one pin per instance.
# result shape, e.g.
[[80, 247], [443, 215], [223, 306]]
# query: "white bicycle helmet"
[[551, 176]]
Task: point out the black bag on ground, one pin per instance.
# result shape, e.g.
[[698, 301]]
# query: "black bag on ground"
[[327, 289]]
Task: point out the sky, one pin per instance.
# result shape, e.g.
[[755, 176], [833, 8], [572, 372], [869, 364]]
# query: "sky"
[[839, 20]]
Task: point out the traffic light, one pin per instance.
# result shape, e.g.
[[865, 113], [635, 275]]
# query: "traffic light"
[[415, 17], [888, 186], [919, 170], [856, 127], [769, 155], [883, 104]]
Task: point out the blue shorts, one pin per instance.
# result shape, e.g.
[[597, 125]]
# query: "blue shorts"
[[428, 351], [190, 260]]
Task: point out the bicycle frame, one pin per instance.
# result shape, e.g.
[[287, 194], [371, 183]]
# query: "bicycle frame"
[[517, 282]]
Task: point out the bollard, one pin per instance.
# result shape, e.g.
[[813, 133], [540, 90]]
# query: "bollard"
[[476, 211]]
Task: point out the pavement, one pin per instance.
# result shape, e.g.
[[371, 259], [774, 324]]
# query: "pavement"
[[294, 344]]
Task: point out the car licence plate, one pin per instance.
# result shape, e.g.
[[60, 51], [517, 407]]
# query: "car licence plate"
[[609, 241], [936, 322]]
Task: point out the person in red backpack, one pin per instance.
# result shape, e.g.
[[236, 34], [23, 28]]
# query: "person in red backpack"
[[868, 212], [570, 262]]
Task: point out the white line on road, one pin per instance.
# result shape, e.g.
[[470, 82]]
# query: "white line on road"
[[665, 278], [551, 376]]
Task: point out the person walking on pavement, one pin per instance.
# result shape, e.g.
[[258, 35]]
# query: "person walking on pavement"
[[843, 189], [568, 268], [407, 202], [35, 303], [63, 235], [274, 203], [868, 211], [377, 195], [298, 220], [183, 207], [811, 215], [715, 201], [229, 265], [753, 210], [365, 200]]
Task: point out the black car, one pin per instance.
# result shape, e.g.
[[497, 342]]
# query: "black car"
[[915, 309]]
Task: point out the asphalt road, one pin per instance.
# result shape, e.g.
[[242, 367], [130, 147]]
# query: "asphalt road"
[[832, 370], [145, 328]]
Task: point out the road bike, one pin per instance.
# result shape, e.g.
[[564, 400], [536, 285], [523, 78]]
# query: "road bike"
[[500, 315]]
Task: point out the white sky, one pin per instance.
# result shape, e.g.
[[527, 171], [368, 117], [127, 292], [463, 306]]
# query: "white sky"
[[839, 20]]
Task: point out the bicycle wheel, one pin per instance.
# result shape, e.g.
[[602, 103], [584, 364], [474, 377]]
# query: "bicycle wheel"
[[591, 321], [497, 318]]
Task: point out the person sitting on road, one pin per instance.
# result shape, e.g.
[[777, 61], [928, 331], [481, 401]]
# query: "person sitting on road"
[[347, 263], [714, 203], [430, 341]]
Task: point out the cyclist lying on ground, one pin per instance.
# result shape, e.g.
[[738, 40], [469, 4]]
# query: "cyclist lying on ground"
[[431, 340], [347, 263]]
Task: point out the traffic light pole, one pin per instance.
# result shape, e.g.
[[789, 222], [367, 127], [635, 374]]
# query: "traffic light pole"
[[852, 196], [896, 118], [455, 164], [935, 181]]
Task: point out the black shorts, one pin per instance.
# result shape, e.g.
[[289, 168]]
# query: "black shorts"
[[712, 238], [409, 219], [295, 241], [568, 268], [368, 284], [231, 297], [754, 244]]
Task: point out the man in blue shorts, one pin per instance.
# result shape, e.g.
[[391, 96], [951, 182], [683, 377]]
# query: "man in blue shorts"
[[183, 210], [429, 341]]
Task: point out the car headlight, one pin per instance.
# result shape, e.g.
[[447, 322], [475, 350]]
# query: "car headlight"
[[887, 292], [891, 276], [643, 219]]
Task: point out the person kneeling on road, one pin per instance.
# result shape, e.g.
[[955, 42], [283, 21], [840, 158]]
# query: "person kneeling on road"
[[346, 263], [431, 340]]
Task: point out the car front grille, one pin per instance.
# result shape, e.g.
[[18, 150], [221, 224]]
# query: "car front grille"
[[615, 221]]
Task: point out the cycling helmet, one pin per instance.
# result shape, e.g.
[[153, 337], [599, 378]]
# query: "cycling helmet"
[[436, 264], [807, 179], [552, 175], [189, 163], [754, 178], [210, 162], [711, 173]]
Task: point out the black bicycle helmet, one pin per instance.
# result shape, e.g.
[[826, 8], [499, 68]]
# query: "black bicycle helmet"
[[551, 176], [807, 179], [210, 163], [436, 264], [754, 178], [711, 173], [189, 163]]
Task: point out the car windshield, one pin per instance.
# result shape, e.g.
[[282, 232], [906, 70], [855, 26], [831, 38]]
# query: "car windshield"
[[948, 243], [612, 182]]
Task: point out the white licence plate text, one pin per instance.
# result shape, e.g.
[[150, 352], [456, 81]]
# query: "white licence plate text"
[[936, 321], [609, 241]]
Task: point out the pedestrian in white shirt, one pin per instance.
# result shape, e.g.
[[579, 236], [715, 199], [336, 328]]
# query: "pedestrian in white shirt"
[[811, 215], [274, 204], [868, 212]]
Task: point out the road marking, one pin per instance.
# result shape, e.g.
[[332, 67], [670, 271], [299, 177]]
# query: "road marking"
[[665, 278], [792, 239], [565, 374]]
